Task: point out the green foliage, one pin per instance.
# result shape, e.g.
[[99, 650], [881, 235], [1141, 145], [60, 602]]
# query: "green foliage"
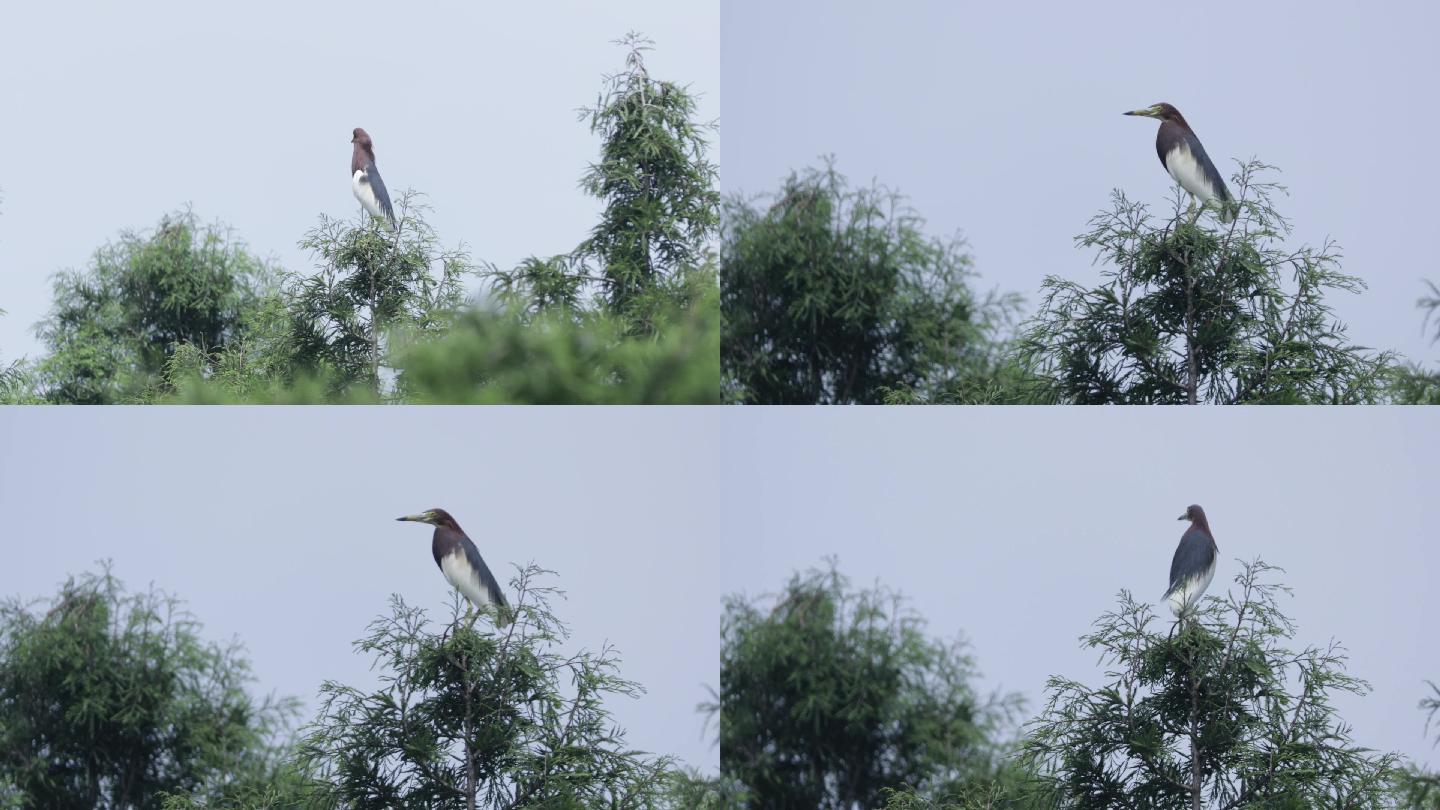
[[1415, 788], [1414, 384], [658, 186], [109, 699], [835, 295], [691, 791], [16, 385], [260, 365], [114, 326], [485, 717], [370, 280], [572, 356], [834, 695], [1009, 791], [1214, 712], [1188, 314], [486, 356]]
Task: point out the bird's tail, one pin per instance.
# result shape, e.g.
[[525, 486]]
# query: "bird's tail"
[[503, 615], [1229, 210]]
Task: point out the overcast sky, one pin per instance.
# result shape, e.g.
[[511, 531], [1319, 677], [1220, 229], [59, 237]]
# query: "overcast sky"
[[277, 525], [115, 115], [1003, 121], [1018, 527]]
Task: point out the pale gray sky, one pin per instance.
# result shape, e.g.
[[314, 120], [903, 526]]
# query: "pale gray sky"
[[1018, 527], [1003, 121], [116, 115], [277, 525]]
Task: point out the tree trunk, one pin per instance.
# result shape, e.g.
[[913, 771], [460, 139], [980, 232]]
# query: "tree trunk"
[[1192, 381], [470, 788], [1195, 782]]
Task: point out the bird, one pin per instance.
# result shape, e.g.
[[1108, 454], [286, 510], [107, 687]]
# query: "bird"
[[461, 564], [365, 179], [1184, 158], [1194, 564]]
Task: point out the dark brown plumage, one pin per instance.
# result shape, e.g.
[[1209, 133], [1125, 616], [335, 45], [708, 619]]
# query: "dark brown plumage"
[[364, 152]]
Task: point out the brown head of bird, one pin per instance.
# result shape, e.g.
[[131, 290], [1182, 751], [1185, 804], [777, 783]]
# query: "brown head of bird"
[[435, 517], [1195, 514], [1162, 112]]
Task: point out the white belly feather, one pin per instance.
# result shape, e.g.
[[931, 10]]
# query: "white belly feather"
[[1181, 164], [365, 194], [464, 578], [1190, 591]]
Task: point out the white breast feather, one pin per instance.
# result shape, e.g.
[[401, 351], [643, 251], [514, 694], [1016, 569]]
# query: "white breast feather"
[[464, 578], [1191, 590], [1181, 164], [360, 184]]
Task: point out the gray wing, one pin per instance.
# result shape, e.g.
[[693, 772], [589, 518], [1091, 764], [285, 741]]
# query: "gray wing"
[[1195, 553], [377, 185], [487, 579]]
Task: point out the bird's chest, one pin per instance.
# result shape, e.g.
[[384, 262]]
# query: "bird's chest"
[[463, 576], [1180, 162], [360, 183]]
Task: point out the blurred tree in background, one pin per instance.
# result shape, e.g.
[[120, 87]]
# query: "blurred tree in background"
[[574, 357], [14, 380], [835, 695], [109, 699], [488, 717], [1189, 315], [1416, 788], [835, 295], [115, 325], [1413, 384], [1218, 712], [16, 385]]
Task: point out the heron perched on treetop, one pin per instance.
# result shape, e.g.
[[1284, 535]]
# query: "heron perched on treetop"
[[1194, 564], [460, 562], [1184, 158]]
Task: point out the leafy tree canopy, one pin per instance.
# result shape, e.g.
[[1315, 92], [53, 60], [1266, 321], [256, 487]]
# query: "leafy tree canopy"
[[112, 699], [833, 294], [835, 695], [654, 177], [115, 324], [1216, 711], [473, 715], [1416, 788], [1414, 384], [1188, 314]]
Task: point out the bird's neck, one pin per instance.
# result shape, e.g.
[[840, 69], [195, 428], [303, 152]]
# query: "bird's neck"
[[360, 158], [1179, 120]]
